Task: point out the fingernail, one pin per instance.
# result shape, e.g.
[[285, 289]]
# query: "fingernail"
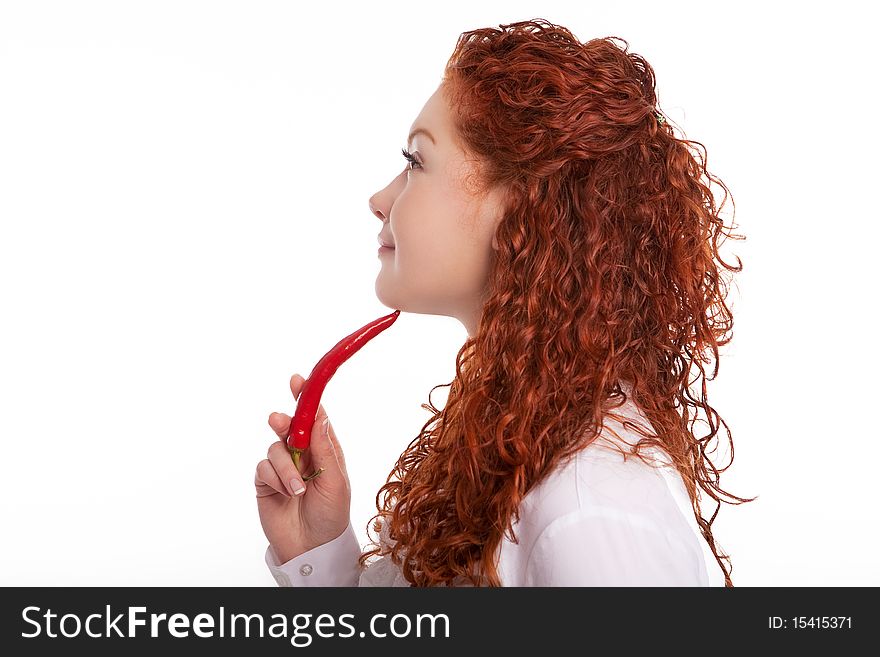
[[296, 487], [326, 426]]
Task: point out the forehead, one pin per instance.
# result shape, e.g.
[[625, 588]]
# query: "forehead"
[[433, 121], [447, 153]]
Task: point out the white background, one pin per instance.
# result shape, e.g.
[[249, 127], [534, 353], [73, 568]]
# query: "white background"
[[184, 225]]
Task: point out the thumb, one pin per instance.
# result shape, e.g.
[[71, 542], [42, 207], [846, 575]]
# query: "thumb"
[[323, 452]]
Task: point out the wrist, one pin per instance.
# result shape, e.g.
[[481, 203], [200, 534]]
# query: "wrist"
[[284, 552]]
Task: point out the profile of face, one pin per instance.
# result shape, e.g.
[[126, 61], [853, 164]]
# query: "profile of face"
[[442, 232]]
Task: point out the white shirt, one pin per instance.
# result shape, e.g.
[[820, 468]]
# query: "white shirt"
[[597, 520]]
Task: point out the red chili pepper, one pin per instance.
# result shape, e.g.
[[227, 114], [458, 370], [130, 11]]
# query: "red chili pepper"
[[310, 396]]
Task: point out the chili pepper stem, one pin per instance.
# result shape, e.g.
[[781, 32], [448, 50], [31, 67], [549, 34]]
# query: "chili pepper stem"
[[314, 474], [296, 453]]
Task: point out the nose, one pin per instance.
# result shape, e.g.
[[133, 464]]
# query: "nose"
[[376, 209], [382, 201]]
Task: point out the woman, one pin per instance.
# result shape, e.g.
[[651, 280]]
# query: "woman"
[[546, 204]]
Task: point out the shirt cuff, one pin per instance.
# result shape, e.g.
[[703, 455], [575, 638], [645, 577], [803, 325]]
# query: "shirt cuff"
[[334, 563]]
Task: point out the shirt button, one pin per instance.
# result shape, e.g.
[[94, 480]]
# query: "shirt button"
[[305, 569]]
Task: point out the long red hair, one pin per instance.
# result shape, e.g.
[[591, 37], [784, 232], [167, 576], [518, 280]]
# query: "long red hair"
[[607, 270]]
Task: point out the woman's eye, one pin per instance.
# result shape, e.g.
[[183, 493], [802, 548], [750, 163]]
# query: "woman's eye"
[[411, 159]]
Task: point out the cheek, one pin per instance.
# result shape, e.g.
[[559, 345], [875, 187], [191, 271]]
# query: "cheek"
[[437, 236], [446, 269]]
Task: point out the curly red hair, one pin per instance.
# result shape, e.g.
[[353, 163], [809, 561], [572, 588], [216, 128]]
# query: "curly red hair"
[[607, 270]]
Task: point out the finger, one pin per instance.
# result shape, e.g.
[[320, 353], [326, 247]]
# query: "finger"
[[280, 423], [337, 449], [296, 385], [279, 457], [322, 450], [267, 480]]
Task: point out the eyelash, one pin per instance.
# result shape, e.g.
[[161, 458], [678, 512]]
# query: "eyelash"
[[410, 158]]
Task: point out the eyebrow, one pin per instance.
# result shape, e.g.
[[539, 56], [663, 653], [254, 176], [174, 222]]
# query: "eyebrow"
[[417, 131]]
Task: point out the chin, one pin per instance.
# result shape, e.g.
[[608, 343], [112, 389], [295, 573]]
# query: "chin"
[[384, 298]]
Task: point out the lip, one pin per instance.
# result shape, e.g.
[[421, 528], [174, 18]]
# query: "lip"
[[384, 244]]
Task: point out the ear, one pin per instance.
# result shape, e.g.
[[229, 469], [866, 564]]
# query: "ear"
[[499, 217], [496, 201]]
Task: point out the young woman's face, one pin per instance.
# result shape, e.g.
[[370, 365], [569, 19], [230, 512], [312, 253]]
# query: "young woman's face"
[[443, 234]]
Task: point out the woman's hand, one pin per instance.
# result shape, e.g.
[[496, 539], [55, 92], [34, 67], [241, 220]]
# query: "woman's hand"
[[295, 523]]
